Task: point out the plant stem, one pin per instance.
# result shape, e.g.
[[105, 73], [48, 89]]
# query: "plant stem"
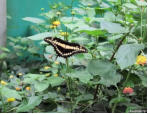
[[3, 105], [96, 91], [67, 65], [128, 75], [141, 20], [120, 43], [114, 107]]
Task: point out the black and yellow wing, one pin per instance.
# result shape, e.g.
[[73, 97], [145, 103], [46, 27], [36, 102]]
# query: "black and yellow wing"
[[65, 49]]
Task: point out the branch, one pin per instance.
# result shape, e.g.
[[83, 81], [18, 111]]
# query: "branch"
[[120, 43]]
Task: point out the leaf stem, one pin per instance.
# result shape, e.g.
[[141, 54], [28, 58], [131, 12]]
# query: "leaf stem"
[[114, 107], [128, 75]]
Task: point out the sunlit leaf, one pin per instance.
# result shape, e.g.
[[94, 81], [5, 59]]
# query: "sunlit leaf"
[[40, 36], [32, 103], [34, 20], [106, 70], [112, 27], [9, 93], [127, 54]]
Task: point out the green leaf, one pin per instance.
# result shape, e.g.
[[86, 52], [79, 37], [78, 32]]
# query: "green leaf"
[[91, 12], [8, 93], [33, 20], [62, 109], [83, 76], [88, 2], [32, 103], [94, 32], [109, 16], [31, 78], [50, 50], [112, 27], [50, 95], [118, 100], [4, 49], [106, 70], [133, 108], [3, 56], [34, 50], [141, 3], [41, 86], [115, 37], [84, 97], [127, 54], [40, 36], [55, 81], [130, 6]]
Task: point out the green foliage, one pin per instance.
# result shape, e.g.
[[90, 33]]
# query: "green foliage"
[[30, 104], [9, 93], [113, 31], [127, 54], [106, 71]]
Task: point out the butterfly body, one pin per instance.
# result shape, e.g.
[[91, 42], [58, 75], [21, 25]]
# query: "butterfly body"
[[65, 49]]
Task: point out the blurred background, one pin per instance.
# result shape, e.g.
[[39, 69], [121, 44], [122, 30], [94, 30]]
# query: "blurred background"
[[18, 9]]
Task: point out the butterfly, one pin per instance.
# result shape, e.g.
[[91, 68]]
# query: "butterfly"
[[63, 48]]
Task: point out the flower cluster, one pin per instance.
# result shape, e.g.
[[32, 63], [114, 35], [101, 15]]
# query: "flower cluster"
[[141, 60], [128, 90], [3, 82], [11, 99], [64, 33]]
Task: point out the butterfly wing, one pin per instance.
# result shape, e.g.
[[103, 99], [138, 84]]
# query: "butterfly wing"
[[65, 49]]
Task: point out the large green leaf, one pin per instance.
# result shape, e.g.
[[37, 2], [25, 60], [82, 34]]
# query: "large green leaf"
[[94, 32], [41, 86], [88, 2], [32, 103], [106, 70], [126, 55], [8, 93], [118, 100], [84, 97], [32, 78], [83, 76], [55, 81], [40, 36], [91, 12], [112, 27], [34, 20]]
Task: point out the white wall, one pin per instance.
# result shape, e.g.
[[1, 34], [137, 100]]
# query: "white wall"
[[2, 22]]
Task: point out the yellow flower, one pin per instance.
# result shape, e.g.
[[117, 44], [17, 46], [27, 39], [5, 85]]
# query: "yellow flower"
[[141, 60], [64, 33], [89, 5], [58, 89], [11, 76], [58, 13], [18, 89], [56, 75], [46, 67], [56, 62], [48, 74], [3, 82], [11, 99], [52, 26], [56, 23], [20, 74], [28, 88], [73, 12]]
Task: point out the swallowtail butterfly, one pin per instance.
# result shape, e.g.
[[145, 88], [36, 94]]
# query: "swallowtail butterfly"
[[65, 49]]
